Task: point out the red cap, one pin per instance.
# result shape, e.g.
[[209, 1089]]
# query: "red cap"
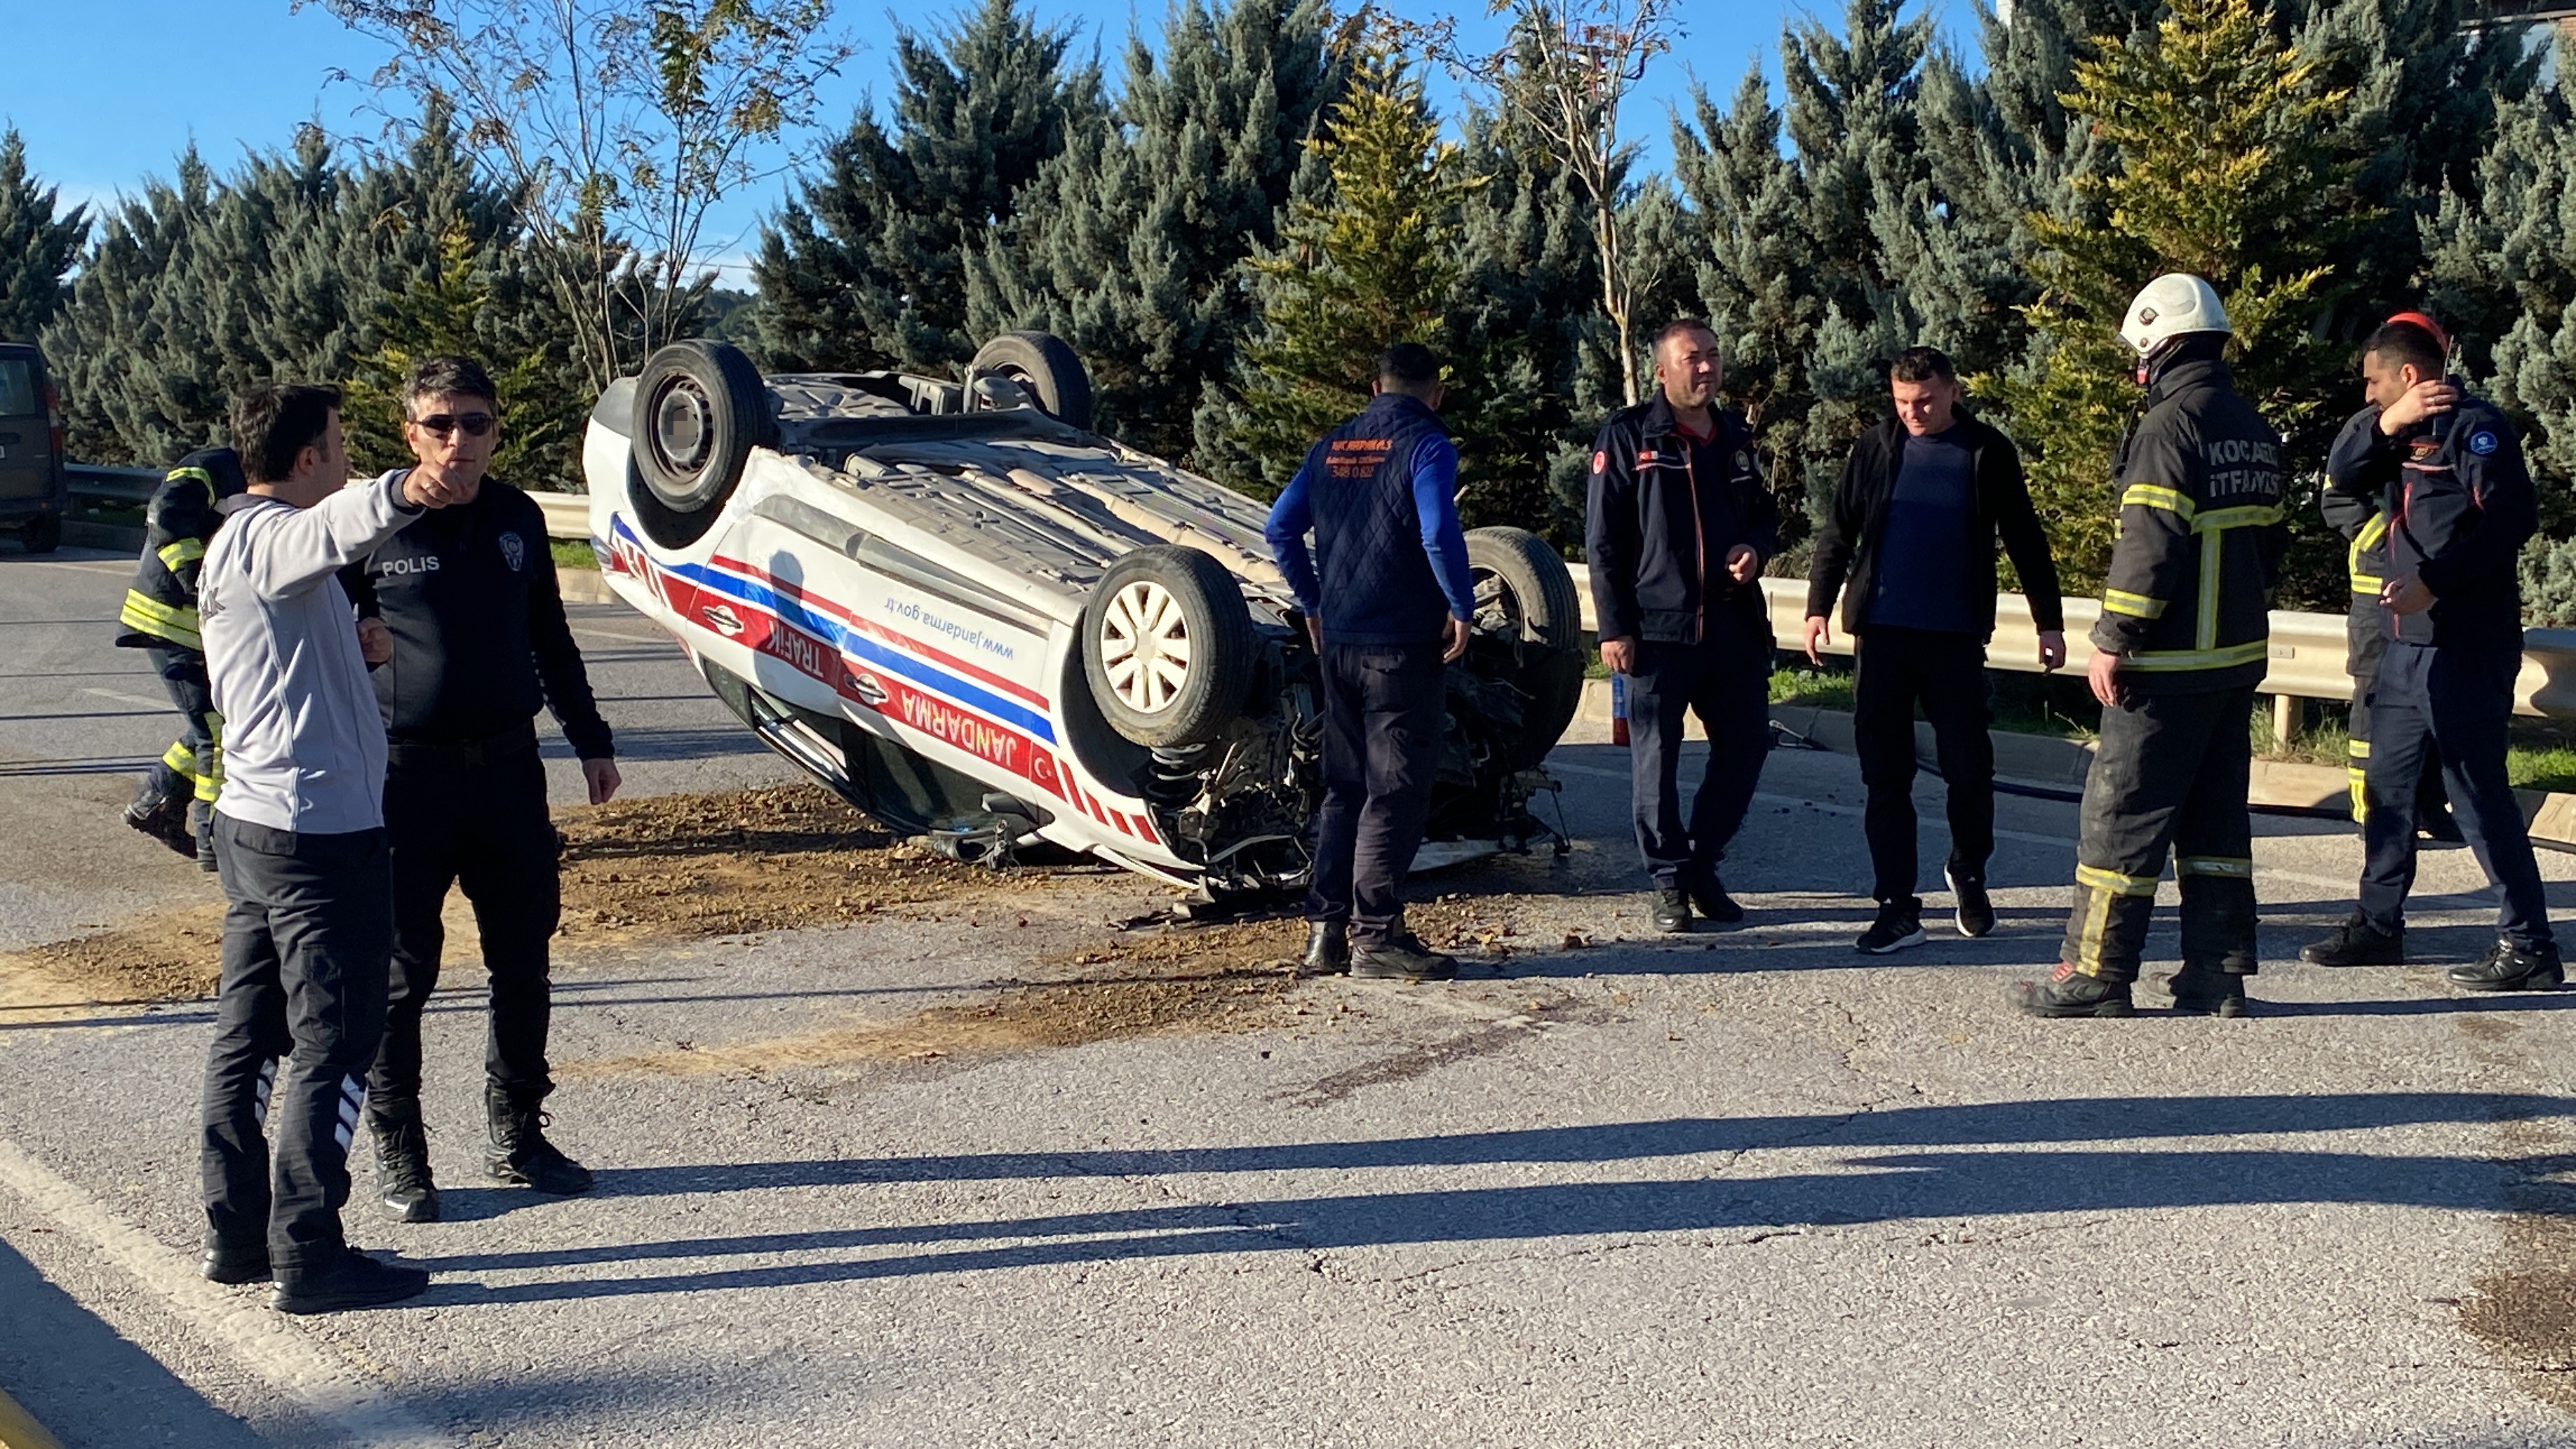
[[2441, 338]]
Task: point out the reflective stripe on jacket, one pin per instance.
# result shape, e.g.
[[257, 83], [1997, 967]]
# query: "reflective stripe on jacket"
[[160, 609], [2188, 597]]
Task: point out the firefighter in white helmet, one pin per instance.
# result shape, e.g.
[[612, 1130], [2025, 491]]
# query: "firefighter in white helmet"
[[2182, 642]]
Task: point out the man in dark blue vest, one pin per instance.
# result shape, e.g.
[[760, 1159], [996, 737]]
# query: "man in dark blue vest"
[[1388, 613]]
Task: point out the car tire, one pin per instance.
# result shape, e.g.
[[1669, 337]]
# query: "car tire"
[[1168, 647], [700, 408], [44, 533], [1045, 366], [1525, 594]]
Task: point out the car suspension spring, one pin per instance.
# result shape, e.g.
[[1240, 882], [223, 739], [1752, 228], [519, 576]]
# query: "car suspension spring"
[[1175, 781]]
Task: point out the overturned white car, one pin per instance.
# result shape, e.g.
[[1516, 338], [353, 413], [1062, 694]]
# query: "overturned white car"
[[985, 625]]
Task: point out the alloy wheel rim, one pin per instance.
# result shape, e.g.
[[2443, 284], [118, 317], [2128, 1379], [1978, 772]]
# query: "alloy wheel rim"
[[1145, 647]]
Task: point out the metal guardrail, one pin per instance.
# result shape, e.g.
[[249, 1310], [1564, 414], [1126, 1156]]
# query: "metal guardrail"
[[2308, 650], [97, 483], [567, 514]]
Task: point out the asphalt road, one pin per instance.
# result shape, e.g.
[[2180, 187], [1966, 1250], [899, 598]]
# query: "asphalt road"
[[1743, 1188]]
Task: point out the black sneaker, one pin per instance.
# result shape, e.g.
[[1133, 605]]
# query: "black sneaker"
[[2207, 993], [2357, 943], [1672, 911], [1328, 948], [403, 1183], [1976, 914], [226, 1263], [1710, 899], [2508, 967], [1404, 958], [1897, 927], [2068, 992], [353, 1280]]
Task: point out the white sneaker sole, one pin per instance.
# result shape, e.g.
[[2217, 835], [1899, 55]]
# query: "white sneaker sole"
[[1912, 938], [1959, 918]]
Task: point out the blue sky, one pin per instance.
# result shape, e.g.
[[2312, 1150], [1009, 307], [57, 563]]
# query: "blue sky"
[[110, 91]]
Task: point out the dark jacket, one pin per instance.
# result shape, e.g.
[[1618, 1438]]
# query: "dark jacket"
[[1847, 542], [2364, 526], [161, 604], [1380, 493], [1652, 571], [480, 641], [2460, 508], [2189, 594]]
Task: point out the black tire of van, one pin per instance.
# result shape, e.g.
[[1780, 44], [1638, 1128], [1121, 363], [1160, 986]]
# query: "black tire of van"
[[1212, 621], [700, 408], [1537, 601], [1043, 364], [43, 533]]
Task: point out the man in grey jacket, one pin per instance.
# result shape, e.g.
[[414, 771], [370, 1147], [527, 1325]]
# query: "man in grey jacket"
[[299, 843]]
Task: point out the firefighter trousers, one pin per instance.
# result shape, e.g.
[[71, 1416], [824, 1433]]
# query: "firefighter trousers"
[[2171, 775], [2454, 699], [193, 767]]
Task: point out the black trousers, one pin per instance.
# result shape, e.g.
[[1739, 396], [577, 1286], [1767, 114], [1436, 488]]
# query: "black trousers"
[[1726, 682], [192, 768], [306, 940], [457, 817], [2172, 773], [1895, 669], [2455, 699], [2431, 801], [1383, 718]]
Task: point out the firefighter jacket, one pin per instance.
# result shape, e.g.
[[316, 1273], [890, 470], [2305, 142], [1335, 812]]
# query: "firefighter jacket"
[[2188, 597], [2460, 507], [161, 606], [1657, 532], [2364, 526]]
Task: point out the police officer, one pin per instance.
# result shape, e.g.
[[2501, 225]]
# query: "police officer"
[[174, 802], [2182, 641], [2364, 526], [1677, 527], [1387, 600], [479, 644], [2447, 469]]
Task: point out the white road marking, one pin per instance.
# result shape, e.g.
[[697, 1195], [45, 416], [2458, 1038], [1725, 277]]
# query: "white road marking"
[[621, 634], [121, 697], [358, 1408]]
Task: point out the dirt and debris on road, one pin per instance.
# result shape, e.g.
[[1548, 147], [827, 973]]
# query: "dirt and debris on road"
[[742, 861], [174, 954]]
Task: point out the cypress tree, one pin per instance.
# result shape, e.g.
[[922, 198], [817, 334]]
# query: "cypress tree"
[[1369, 260], [1126, 244], [867, 266], [38, 244]]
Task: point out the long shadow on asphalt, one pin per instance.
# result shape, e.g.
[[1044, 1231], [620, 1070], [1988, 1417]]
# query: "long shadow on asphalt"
[[88, 1383], [1866, 1189]]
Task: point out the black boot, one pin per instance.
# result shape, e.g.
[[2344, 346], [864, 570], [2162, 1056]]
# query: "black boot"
[[353, 1280], [2357, 943], [162, 815], [1709, 898], [402, 1162], [520, 1155], [2069, 992], [1328, 948], [1671, 910], [1402, 957], [2207, 992], [2507, 967]]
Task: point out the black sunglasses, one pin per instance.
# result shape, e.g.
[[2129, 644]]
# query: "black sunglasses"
[[474, 424]]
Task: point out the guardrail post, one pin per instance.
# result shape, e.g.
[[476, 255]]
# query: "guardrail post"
[[2289, 712]]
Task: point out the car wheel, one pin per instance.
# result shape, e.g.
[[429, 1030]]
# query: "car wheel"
[[44, 533], [1525, 596], [700, 408], [1045, 366], [1167, 646]]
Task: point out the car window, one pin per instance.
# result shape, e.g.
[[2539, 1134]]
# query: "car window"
[[18, 389]]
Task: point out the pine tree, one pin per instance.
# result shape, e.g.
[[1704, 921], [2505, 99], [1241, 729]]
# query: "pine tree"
[[37, 245], [1126, 244], [868, 265], [1372, 261], [2221, 170]]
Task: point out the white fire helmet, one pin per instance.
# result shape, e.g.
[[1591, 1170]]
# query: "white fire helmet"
[[2171, 306]]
